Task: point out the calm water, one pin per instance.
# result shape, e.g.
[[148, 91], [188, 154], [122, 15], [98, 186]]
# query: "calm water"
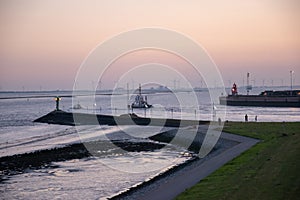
[[100, 178]]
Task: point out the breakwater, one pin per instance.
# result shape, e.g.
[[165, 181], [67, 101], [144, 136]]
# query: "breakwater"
[[72, 119]]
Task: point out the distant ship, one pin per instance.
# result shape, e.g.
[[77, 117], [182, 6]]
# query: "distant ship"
[[140, 101], [268, 98]]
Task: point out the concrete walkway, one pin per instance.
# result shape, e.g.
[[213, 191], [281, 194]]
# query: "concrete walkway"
[[178, 184]]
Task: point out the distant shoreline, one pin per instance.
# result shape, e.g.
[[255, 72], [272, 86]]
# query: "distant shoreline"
[[146, 90]]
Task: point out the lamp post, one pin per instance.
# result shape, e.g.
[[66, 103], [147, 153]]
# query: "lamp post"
[[57, 99], [291, 74]]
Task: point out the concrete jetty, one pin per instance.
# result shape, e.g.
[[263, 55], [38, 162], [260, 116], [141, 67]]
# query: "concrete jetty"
[[72, 119]]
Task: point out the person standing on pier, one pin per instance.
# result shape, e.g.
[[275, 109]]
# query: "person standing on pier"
[[246, 118]]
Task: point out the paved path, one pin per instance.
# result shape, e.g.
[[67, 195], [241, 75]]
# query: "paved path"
[[180, 183]]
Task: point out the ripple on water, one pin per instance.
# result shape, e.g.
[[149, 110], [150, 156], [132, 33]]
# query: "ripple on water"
[[87, 178]]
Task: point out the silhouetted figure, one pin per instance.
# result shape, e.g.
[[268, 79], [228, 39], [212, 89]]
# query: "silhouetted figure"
[[255, 118], [246, 118], [219, 120]]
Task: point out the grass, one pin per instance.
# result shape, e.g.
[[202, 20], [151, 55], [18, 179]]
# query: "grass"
[[269, 170]]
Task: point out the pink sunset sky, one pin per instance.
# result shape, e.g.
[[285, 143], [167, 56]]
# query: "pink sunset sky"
[[44, 42]]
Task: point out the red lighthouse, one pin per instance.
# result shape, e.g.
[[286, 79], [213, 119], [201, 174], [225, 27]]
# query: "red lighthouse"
[[234, 89]]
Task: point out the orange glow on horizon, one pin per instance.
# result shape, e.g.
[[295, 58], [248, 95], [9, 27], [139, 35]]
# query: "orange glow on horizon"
[[44, 42]]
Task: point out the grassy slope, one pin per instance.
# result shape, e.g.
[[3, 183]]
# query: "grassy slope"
[[269, 170]]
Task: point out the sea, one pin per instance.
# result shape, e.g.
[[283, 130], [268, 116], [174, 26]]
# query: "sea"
[[112, 173]]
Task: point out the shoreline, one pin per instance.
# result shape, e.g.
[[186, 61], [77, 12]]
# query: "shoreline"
[[20, 163], [169, 185], [12, 165], [16, 164]]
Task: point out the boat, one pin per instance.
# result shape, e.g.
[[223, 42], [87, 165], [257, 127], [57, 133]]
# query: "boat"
[[140, 101], [77, 106], [267, 98]]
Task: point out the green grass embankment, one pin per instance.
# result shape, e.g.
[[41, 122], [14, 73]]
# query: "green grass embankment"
[[269, 170]]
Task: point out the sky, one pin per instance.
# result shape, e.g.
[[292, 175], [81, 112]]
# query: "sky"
[[44, 42]]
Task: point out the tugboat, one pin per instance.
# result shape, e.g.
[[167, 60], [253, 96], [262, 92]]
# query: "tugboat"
[[268, 98], [140, 102]]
